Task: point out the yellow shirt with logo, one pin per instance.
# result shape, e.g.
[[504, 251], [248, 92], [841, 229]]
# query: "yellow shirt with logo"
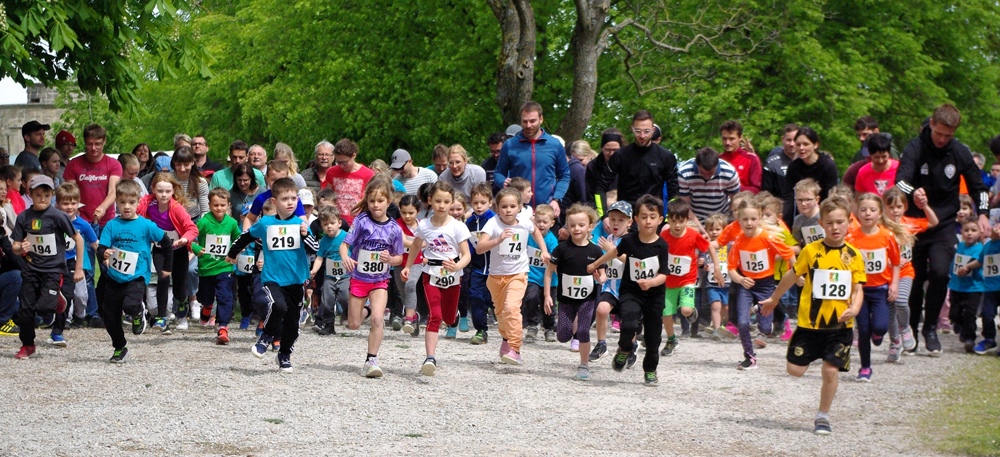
[[822, 314]]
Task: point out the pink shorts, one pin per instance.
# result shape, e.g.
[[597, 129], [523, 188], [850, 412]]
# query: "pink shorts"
[[362, 289]]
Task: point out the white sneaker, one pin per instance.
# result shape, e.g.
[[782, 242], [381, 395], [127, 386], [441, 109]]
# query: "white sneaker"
[[182, 324], [195, 309], [371, 369]]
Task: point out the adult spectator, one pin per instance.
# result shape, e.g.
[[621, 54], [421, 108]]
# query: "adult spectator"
[[144, 156], [512, 131], [879, 174], [461, 174], [929, 172], [315, 173], [65, 144], [642, 167], [536, 156], [181, 140], [864, 127], [4, 157], [195, 185], [410, 176], [778, 160], [283, 153], [237, 155], [811, 163], [348, 178], [995, 149], [495, 143], [440, 159], [746, 163], [611, 141], [580, 154], [706, 183], [199, 146], [257, 157], [10, 285], [988, 178], [34, 140], [245, 189], [96, 174]]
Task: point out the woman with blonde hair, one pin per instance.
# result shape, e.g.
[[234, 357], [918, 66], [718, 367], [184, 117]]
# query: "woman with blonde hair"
[[462, 175], [283, 152]]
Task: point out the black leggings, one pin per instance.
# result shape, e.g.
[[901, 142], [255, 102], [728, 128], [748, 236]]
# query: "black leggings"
[[646, 316], [533, 308], [933, 255], [178, 278], [244, 293]]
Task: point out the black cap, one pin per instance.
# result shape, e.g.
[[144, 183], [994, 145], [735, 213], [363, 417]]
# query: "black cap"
[[32, 127]]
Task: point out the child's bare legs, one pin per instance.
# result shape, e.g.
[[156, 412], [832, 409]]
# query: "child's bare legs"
[[378, 299], [584, 352], [668, 325], [355, 312], [603, 310], [831, 375], [716, 314]]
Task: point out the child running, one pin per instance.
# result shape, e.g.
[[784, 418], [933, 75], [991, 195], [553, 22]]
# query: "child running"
[[718, 292], [876, 239], [991, 292], [578, 293], [834, 274], [442, 240], [619, 217], [374, 244], [641, 295], [336, 283], [505, 237], [533, 306], [459, 208], [215, 234], [478, 270], [409, 207], [68, 201], [966, 284]]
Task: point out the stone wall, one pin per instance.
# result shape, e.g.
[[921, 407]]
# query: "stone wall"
[[12, 117]]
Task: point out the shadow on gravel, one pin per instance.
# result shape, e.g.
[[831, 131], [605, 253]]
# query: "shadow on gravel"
[[269, 371], [769, 423], [345, 368]]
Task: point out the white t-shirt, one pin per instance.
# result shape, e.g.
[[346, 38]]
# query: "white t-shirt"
[[511, 256], [526, 213], [441, 243]]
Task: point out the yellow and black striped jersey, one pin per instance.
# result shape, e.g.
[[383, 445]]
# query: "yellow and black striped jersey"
[[829, 274]]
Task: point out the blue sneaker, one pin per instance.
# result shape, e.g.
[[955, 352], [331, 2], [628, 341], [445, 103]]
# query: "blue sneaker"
[[245, 323], [983, 346], [451, 333], [463, 324], [57, 341], [865, 375], [260, 329], [260, 348]]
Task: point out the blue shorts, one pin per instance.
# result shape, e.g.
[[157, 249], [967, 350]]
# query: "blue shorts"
[[718, 294]]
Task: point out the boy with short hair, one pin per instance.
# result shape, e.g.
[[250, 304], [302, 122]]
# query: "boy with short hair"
[[287, 242], [966, 284], [524, 187], [215, 234], [617, 221], [40, 232], [684, 243], [480, 300], [68, 201], [124, 246], [276, 169], [806, 227], [532, 307], [336, 280]]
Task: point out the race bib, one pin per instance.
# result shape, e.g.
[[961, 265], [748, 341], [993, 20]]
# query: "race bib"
[[244, 263], [535, 257], [70, 244], [678, 265], [905, 254], [616, 270], [369, 263], [831, 284], [576, 287], [875, 261], [335, 268], [960, 261], [991, 266], [725, 274], [43, 245], [643, 268], [173, 235], [217, 245], [513, 246], [124, 262], [754, 262], [442, 278], [283, 237], [813, 233], [474, 239]]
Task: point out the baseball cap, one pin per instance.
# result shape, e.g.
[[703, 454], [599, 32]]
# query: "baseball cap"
[[513, 130], [656, 133], [33, 126], [64, 137], [622, 207], [41, 180], [399, 158], [306, 197]]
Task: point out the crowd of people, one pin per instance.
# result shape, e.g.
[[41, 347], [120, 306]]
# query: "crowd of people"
[[541, 237]]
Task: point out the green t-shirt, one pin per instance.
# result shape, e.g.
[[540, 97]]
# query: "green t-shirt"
[[214, 240]]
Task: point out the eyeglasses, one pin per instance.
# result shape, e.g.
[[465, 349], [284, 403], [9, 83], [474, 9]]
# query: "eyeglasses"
[[804, 200], [342, 162], [4, 156], [643, 132]]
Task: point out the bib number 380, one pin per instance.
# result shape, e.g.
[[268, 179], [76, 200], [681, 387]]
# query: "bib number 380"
[[370, 263]]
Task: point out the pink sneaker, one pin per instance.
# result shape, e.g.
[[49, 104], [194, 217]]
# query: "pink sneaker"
[[616, 326], [504, 348], [788, 332], [511, 358], [733, 331]]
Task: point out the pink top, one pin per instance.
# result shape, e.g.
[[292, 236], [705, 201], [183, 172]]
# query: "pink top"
[[872, 181], [92, 179], [350, 188]]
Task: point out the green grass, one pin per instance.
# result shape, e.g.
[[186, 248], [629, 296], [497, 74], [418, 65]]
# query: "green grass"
[[964, 420], [275, 421]]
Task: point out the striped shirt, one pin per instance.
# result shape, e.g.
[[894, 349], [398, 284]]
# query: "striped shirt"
[[708, 196]]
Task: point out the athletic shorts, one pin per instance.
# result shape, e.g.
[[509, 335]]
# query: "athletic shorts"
[[362, 289], [832, 346], [718, 294], [611, 299], [680, 297]]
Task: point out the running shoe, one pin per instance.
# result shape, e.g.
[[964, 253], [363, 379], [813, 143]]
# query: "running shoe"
[[760, 341], [550, 336], [139, 323], [530, 333], [463, 324], [245, 323], [26, 352], [691, 319], [211, 322], [893, 356], [932, 344], [970, 345], [574, 345], [285, 362], [451, 333], [158, 324], [822, 427], [668, 347], [748, 363], [303, 317], [599, 350], [984, 345], [371, 368], [787, 334], [478, 338], [430, 364], [616, 326], [57, 340], [582, 373], [865, 375], [182, 323], [717, 335], [327, 330], [260, 347], [633, 356], [909, 342], [731, 330], [46, 321], [512, 357], [119, 356], [222, 337], [397, 323], [408, 324], [651, 380], [685, 333], [76, 323], [196, 309], [877, 339], [619, 360], [504, 347]]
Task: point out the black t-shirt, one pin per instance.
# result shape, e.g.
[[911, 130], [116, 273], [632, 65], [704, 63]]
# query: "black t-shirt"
[[641, 263], [47, 231], [572, 260]]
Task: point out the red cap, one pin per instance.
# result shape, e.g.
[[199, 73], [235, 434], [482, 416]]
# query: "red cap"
[[64, 137]]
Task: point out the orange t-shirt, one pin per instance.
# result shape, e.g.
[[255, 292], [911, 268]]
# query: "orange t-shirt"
[[683, 260], [880, 253], [729, 233], [755, 255], [914, 226]]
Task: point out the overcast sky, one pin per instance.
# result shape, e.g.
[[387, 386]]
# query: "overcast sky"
[[11, 93]]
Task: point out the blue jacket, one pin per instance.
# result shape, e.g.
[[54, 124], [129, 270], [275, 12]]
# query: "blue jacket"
[[542, 161], [480, 262]]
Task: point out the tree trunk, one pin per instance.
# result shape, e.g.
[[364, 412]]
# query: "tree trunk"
[[586, 47], [516, 63]]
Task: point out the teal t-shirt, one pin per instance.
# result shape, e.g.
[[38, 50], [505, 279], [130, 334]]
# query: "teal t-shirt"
[[536, 271], [329, 250], [285, 259], [131, 241]]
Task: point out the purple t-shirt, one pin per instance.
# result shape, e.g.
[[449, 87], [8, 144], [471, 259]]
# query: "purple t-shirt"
[[161, 219], [367, 239]]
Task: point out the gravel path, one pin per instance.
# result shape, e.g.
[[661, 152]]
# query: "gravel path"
[[182, 394]]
